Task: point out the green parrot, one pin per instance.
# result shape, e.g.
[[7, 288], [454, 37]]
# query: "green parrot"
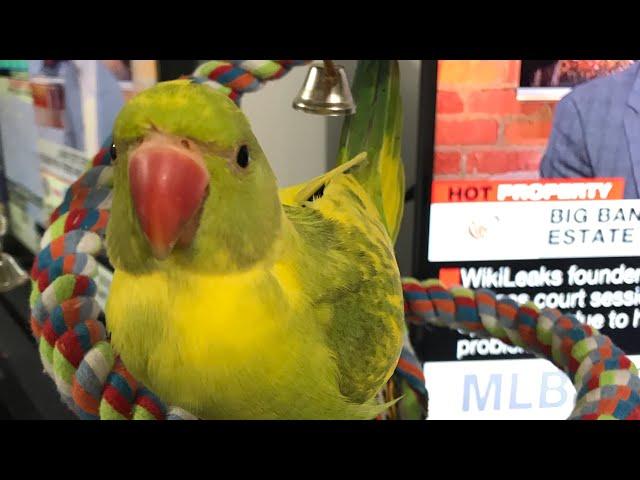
[[234, 299]]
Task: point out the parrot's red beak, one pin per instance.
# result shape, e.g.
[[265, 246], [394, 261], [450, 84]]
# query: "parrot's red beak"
[[169, 185]]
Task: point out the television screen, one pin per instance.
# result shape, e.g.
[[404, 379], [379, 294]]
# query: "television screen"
[[537, 200]]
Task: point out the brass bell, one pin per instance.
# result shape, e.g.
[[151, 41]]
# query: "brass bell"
[[11, 273], [326, 91]]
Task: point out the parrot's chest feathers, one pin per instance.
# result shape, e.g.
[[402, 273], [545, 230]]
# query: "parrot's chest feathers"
[[178, 334]]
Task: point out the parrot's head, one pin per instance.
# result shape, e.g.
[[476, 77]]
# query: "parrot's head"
[[192, 186]]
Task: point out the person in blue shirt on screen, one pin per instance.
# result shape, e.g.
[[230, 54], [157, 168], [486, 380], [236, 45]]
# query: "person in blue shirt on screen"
[[596, 131]]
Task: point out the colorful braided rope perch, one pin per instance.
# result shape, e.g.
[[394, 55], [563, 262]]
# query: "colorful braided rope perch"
[[606, 381], [94, 383], [236, 77]]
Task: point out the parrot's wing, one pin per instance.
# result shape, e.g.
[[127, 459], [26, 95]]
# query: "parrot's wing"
[[353, 280], [296, 195], [376, 128]]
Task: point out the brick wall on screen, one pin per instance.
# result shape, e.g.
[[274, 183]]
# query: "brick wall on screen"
[[481, 129]]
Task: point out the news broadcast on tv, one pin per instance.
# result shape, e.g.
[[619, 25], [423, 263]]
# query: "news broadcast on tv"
[[534, 195]]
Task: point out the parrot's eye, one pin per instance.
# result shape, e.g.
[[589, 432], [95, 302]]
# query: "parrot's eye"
[[243, 157], [113, 152]]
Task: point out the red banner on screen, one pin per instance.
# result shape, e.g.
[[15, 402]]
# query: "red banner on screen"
[[449, 191]]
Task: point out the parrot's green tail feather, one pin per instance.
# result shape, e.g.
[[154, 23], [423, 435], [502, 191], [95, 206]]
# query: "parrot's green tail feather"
[[376, 128]]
